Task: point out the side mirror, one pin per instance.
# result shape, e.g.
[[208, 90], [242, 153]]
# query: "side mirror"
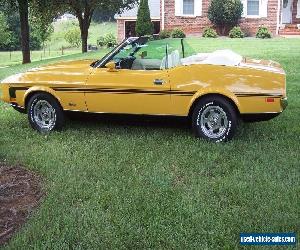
[[111, 66]]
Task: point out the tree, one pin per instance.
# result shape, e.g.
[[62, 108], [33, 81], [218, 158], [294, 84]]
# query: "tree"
[[23, 10], [225, 14], [73, 37], [84, 10], [22, 26], [144, 25], [100, 16], [6, 35], [25, 41], [41, 20]]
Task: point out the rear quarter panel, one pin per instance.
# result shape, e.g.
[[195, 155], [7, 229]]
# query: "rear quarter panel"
[[247, 88]]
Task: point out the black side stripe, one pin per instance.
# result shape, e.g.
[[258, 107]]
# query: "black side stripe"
[[12, 91], [125, 91], [258, 95]]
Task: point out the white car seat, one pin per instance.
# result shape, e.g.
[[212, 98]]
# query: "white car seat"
[[173, 60]]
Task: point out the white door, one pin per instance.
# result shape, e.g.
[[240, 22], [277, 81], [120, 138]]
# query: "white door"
[[287, 11]]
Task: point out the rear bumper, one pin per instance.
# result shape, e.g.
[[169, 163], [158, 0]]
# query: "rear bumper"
[[260, 117], [284, 103]]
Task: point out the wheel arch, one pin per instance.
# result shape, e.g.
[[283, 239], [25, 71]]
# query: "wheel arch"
[[230, 98], [35, 90]]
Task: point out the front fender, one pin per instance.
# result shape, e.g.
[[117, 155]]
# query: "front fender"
[[39, 89]]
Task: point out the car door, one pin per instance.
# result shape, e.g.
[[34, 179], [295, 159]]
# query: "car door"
[[128, 91]]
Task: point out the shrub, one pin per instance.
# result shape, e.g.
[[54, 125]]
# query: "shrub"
[[165, 34], [263, 32], [236, 32], [209, 32], [101, 41], [73, 37], [144, 25], [151, 38], [110, 40], [178, 33], [225, 14]]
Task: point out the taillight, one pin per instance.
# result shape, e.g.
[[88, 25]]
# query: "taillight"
[[270, 99]]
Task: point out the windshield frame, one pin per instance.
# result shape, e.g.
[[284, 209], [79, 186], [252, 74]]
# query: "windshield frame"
[[108, 57]]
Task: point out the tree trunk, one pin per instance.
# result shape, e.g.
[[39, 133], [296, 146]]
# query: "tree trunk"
[[23, 12], [84, 24], [84, 38]]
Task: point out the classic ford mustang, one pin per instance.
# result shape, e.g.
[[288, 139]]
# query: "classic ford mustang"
[[153, 78]]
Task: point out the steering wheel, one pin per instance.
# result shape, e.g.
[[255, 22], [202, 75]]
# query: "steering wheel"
[[118, 62]]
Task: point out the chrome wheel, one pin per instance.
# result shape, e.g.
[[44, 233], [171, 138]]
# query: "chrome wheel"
[[44, 115], [214, 122]]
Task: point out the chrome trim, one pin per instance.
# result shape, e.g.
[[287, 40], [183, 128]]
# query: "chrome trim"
[[16, 106], [260, 113], [284, 103], [110, 113]]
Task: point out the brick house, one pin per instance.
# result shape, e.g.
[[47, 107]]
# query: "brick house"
[[280, 16], [126, 20]]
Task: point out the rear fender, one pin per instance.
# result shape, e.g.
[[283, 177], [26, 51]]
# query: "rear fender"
[[221, 92]]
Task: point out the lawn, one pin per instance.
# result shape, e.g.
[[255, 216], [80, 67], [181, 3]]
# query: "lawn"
[[57, 42], [128, 182]]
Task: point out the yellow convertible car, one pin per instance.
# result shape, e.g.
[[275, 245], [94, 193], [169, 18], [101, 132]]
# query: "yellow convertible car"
[[153, 78]]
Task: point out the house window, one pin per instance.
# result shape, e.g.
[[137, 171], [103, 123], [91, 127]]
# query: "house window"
[[252, 7], [188, 7]]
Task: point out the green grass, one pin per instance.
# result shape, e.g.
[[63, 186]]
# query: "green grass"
[[139, 183], [57, 41]]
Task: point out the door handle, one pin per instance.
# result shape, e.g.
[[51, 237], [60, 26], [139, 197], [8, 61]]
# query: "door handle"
[[158, 82]]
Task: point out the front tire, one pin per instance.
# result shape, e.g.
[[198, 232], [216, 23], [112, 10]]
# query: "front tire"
[[214, 119], [45, 113]]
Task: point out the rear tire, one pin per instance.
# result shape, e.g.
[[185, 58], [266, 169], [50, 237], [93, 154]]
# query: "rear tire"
[[45, 113], [214, 119]]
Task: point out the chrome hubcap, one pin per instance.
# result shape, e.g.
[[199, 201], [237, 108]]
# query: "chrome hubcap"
[[214, 122], [44, 115]]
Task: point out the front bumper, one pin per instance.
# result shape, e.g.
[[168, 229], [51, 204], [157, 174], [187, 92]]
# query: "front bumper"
[[284, 103], [4, 95]]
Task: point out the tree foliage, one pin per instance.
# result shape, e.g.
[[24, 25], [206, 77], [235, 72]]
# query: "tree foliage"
[[72, 36], [39, 31], [144, 25], [41, 18], [101, 16], [27, 38], [42, 13], [84, 10], [225, 14], [6, 34]]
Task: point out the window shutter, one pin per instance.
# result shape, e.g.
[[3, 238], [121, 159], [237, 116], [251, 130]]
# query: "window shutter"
[[244, 2], [263, 8], [198, 7], [178, 7]]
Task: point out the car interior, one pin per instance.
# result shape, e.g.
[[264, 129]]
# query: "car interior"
[[150, 56]]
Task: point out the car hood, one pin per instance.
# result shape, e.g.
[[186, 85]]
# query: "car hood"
[[58, 73]]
